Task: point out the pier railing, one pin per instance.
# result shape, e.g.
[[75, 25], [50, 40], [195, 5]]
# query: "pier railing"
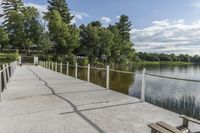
[[6, 72], [58, 67]]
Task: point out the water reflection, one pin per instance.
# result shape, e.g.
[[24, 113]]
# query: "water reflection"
[[179, 96], [176, 95]]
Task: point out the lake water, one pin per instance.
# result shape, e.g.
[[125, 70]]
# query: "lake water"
[[176, 95]]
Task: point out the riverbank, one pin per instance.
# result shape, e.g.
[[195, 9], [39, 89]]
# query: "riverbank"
[[168, 63]]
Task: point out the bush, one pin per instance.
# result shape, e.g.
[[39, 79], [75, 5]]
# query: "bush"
[[83, 61]]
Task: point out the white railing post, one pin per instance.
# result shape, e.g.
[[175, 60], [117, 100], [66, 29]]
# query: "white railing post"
[[67, 68], [107, 76], [7, 71], [0, 87], [88, 76], [143, 86], [20, 60], [56, 66], [61, 67], [4, 77], [52, 66], [76, 70]]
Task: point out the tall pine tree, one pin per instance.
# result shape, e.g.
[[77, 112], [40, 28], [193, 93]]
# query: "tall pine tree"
[[124, 26], [62, 7], [10, 5]]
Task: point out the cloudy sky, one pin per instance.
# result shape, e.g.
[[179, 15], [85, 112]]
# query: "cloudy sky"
[[162, 26]]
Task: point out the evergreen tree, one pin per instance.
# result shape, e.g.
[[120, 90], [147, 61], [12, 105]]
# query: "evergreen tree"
[[62, 7], [116, 48], [3, 37], [106, 43], [64, 37], [10, 5], [124, 26]]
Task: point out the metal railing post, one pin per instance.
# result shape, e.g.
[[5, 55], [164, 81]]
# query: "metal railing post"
[[107, 76], [143, 86], [76, 70], [88, 76], [56, 66], [52, 66], [0, 87], [61, 67], [4, 77], [7, 71], [49, 65], [67, 68]]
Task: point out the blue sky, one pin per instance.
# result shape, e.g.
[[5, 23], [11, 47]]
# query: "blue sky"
[[141, 12], [161, 26]]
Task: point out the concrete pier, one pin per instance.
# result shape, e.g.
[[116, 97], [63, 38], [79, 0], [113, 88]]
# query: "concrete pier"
[[39, 100]]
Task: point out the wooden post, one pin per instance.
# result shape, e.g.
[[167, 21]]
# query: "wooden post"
[[88, 76], [61, 67], [49, 64], [0, 87], [143, 86], [67, 68], [76, 70], [4, 77], [56, 66], [107, 76]]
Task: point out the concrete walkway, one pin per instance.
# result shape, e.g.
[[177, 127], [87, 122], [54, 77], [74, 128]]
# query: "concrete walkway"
[[39, 100]]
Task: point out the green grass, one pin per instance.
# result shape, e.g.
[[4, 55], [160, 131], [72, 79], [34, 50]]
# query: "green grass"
[[8, 57]]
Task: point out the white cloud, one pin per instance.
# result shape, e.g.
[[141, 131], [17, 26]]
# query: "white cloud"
[[168, 36], [105, 20], [41, 8], [117, 17], [78, 16], [196, 4]]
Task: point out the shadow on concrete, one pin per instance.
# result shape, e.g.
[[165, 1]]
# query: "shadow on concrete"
[[104, 107], [96, 127]]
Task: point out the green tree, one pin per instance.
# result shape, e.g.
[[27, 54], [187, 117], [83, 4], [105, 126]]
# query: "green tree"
[[64, 37], [116, 48], [62, 7], [106, 42], [124, 26], [3, 38], [33, 30], [10, 5], [127, 52], [15, 28], [45, 43]]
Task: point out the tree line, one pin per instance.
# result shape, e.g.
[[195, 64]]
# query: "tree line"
[[24, 29], [142, 56], [54, 34]]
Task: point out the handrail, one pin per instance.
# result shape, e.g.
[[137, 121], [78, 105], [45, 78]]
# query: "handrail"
[[125, 72], [97, 68], [167, 77], [7, 74]]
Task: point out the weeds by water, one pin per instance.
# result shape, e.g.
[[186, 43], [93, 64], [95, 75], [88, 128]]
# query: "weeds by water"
[[186, 105]]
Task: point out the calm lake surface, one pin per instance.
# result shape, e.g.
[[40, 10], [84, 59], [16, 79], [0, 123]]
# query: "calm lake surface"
[[176, 95]]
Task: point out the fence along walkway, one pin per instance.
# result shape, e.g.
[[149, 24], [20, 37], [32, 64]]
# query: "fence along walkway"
[[39, 100], [6, 73]]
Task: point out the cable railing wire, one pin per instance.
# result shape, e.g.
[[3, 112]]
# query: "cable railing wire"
[[175, 78]]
